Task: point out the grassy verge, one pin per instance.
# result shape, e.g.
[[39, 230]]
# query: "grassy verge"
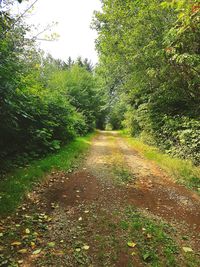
[[14, 187], [154, 242], [183, 171]]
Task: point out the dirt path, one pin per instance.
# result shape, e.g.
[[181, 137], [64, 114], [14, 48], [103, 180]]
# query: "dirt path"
[[158, 193], [117, 209]]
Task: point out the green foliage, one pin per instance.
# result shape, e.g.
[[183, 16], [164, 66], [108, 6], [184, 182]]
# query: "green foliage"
[[181, 136], [44, 102], [149, 51], [117, 112]]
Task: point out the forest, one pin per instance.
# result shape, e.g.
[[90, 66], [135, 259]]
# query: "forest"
[[99, 163]]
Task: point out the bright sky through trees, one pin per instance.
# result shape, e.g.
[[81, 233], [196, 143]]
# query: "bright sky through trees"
[[74, 18]]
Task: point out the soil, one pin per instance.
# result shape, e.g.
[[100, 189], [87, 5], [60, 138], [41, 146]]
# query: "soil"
[[86, 206]]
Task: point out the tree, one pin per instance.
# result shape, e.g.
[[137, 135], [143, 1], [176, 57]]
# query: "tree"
[[149, 51], [44, 103]]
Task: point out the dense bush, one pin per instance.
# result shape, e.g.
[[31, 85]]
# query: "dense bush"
[[181, 136], [149, 52], [43, 102]]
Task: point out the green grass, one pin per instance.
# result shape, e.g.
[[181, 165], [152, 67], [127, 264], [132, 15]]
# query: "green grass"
[[122, 174], [14, 187], [183, 171], [155, 241], [154, 244]]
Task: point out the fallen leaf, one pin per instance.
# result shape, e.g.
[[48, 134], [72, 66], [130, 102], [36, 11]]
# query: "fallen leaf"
[[131, 244], [1, 234], [35, 234], [27, 231], [22, 251], [86, 211], [78, 249], [16, 243], [37, 251], [133, 253], [187, 249], [149, 236], [32, 244], [86, 247], [51, 244], [58, 253], [20, 261]]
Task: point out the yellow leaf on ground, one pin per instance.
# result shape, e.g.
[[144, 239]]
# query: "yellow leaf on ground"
[[32, 244], [16, 243], [37, 251], [187, 249], [133, 253], [86, 211], [22, 251], [27, 231], [131, 244], [51, 244], [85, 247], [58, 253]]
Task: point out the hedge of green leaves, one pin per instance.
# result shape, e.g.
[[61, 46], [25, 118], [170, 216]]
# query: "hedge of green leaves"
[[150, 56], [43, 102]]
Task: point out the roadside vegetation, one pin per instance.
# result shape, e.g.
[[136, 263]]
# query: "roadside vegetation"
[[112, 210], [44, 102], [183, 171], [147, 81], [149, 58], [21, 181]]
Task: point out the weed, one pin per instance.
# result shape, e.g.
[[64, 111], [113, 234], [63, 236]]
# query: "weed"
[[122, 174]]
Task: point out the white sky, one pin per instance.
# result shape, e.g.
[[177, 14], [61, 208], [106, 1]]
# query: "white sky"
[[74, 18]]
